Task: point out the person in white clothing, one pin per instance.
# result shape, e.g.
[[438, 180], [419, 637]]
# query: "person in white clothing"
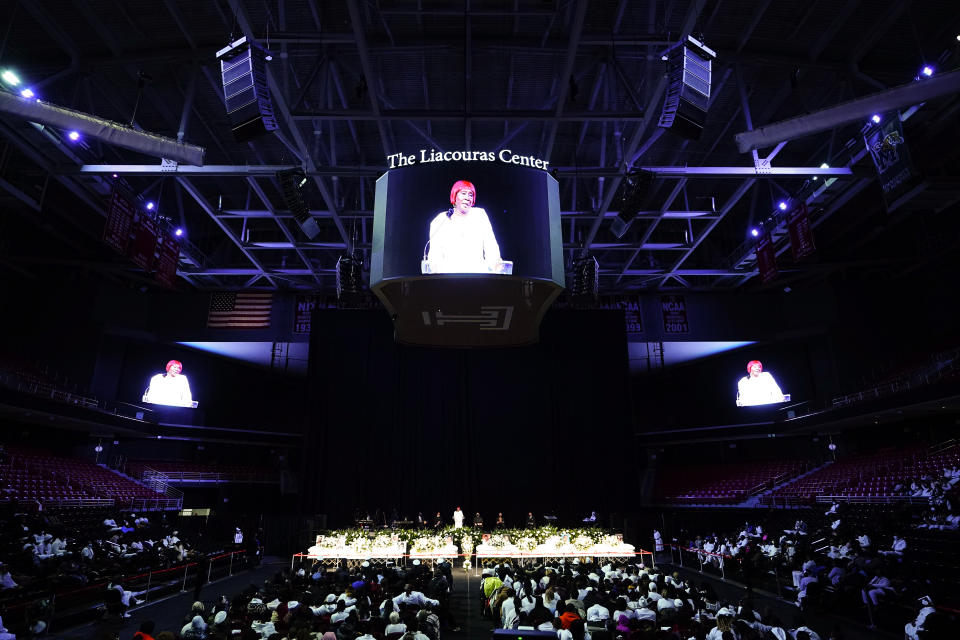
[[457, 518], [461, 238], [912, 629], [171, 388], [411, 597], [757, 387]]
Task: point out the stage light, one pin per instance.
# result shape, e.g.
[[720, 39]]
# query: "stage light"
[[782, 205], [150, 205], [178, 232], [926, 71], [114, 175], [755, 232], [824, 165], [10, 77], [291, 180], [74, 136], [876, 118], [27, 93]]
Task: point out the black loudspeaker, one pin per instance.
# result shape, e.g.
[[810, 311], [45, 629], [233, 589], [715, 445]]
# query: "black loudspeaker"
[[243, 68], [685, 106]]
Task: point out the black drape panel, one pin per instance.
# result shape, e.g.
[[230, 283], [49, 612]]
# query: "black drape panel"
[[544, 427]]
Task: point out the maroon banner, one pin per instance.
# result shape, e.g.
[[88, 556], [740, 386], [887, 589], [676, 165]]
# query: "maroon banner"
[[143, 249], [766, 258], [674, 311], [801, 234], [168, 260], [120, 213]]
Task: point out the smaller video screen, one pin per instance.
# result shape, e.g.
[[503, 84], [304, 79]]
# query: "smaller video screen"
[[170, 387], [759, 387]]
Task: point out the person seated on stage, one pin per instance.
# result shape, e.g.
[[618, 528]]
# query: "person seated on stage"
[[438, 521], [477, 520], [592, 518], [500, 524], [531, 521]]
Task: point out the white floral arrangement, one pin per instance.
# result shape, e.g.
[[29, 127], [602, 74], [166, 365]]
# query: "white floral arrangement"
[[466, 565]]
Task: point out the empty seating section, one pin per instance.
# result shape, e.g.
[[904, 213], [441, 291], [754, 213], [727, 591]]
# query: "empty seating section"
[[870, 475], [36, 475], [200, 472], [727, 484]]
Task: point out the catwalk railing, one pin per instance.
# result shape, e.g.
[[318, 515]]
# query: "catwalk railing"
[[59, 606]]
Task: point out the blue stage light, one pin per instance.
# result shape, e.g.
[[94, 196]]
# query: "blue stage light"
[[876, 118], [755, 232], [27, 93], [150, 205], [178, 232], [782, 205], [926, 71]]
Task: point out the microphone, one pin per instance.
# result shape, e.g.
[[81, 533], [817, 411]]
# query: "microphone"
[[449, 213]]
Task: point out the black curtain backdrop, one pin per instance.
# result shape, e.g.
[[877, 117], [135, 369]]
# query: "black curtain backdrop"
[[538, 428]]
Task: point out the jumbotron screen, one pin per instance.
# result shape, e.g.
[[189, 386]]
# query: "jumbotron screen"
[[487, 216], [759, 387]]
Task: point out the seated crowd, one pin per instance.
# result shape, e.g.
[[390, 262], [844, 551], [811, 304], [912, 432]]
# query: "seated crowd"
[[579, 600], [86, 553], [376, 600], [850, 562]]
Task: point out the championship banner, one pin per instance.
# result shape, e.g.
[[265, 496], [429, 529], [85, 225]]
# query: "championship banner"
[[633, 322], [891, 157], [674, 312], [303, 313], [144, 246], [168, 260], [801, 234], [766, 258], [120, 213]]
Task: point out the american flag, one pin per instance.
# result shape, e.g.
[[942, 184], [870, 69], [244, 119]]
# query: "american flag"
[[241, 310]]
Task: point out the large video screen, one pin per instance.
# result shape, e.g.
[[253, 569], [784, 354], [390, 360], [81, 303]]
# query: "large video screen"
[[170, 388], [479, 217], [759, 387]]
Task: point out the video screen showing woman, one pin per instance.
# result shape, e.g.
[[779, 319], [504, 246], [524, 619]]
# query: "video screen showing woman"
[[170, 388], [461, 238], [758, 387]]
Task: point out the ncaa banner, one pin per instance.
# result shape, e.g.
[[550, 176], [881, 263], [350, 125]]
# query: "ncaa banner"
[[891, 157]]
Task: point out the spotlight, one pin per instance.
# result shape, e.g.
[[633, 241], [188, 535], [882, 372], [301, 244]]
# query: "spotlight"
[[876, 118], [73, 135], [178, 232], [291, 180], [926, 71], [755, 232], [114, 175], [150, 205], [10, 77], [27, 93], [824, 165], [782, 205]]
